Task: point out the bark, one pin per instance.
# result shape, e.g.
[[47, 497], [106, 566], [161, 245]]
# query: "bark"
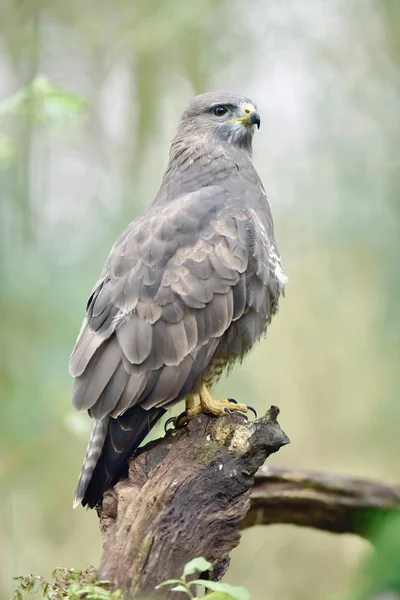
[[320, 500], [184, 497], [189, 493]]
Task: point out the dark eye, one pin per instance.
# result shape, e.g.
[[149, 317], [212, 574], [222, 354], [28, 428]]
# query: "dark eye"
[[220, 111]]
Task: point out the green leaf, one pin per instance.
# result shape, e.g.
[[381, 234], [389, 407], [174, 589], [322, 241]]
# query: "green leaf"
[[197, 565], [44, 101], [219, 596], [237, 593], [180, 588], [168, 582]]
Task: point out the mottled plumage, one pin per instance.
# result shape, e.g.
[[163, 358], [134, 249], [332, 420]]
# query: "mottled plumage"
[[187, 289]]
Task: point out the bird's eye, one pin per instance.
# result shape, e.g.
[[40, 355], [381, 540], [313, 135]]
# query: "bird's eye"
[[220, 111]]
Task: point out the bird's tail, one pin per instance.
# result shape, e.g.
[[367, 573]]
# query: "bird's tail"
[[111, 444], [93, 452]]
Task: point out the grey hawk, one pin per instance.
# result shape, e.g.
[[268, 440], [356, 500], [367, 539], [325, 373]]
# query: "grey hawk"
[[186, 291]]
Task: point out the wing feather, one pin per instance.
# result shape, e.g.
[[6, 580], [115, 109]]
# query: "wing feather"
[[111, 394], [133, 389], [135, 338], [196, 275], [102, 366], [86, 346], [165, 295]]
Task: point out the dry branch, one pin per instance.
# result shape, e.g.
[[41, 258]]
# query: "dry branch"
[[319, 500], [188, 494], [185, 496]]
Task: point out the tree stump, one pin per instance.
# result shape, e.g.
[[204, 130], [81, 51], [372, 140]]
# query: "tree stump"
[[185, 496]]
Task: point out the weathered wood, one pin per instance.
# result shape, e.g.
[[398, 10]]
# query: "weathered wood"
[[185, 496], [320, 500]]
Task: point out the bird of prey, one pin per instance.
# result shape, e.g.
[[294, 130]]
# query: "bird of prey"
[[186, 291]]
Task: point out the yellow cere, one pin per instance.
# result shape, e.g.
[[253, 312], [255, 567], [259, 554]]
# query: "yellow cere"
[[248, 109]]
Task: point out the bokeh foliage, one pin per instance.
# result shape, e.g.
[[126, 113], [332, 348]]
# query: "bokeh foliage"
[[91, 93]]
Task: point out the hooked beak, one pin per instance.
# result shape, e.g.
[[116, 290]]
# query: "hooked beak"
[[250, 116], [254, 119]]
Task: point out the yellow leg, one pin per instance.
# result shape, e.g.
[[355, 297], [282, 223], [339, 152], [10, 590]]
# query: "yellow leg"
[[189, 402], [217, 407], [208, 404]]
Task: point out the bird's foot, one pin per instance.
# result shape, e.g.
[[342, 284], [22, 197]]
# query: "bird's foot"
[[219, 407], [185, 416], [209, 405]]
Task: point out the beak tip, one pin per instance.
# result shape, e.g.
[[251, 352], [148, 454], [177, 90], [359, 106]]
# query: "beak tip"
[[255, 119]]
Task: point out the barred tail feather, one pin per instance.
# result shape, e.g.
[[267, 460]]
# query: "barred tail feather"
[[93, 453], [112, 443]]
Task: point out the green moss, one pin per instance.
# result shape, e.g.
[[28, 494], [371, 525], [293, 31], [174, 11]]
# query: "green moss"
[[208, 451], [234, 438], [70, 584]]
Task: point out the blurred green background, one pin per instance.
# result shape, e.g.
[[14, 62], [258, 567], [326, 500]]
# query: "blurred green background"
[[91, 94]]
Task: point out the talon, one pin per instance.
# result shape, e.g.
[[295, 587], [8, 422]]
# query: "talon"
[[175, 420], [252, 409], [183, 415], [226, 409], [167, 422], [232, 400]]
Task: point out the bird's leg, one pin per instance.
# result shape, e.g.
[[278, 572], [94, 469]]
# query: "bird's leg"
[[189, 402], [217, 407], [207, 404], [191, 411], [184, 417]]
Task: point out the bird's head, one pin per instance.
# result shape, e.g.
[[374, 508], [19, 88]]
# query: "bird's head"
[[229, 117]]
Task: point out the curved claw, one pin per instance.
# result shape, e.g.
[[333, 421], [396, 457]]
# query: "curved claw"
[[167, 422], [226, 409], [175, 421], [179, 417], [232, 400], [252, 409]]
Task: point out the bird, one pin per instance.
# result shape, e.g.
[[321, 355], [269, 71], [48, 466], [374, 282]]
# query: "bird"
[[187, 290]]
